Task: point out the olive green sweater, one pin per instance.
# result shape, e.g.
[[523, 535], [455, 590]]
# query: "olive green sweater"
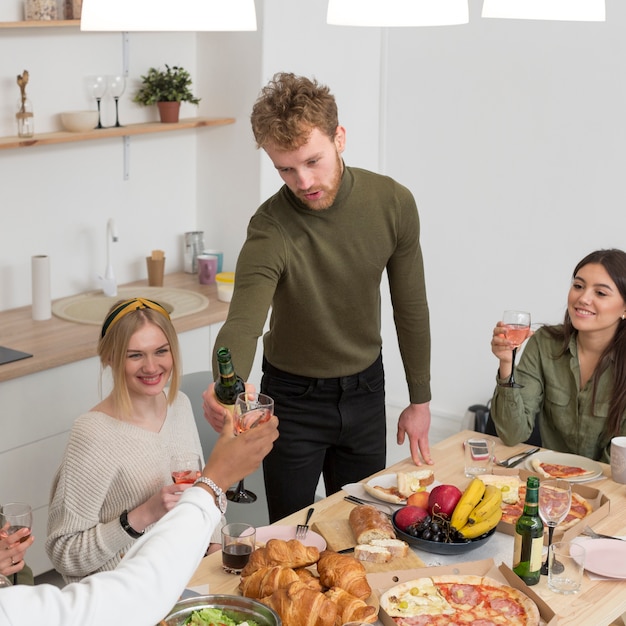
[[320, 272]]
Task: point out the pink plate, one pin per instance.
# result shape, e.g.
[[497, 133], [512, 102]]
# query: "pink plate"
[[606, 557], [265, 533]]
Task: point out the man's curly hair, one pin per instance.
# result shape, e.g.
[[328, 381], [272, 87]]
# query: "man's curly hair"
[[287, 110]]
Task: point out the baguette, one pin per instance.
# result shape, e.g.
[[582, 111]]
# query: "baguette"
[[410, 482], [368, 523], [397, 547], [372, 554]]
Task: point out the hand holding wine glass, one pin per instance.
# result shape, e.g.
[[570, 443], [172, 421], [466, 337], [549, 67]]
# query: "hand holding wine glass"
[[555, 499], [516, 326], [251, 409]]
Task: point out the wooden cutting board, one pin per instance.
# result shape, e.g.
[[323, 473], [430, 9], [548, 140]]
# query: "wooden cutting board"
[[338, 536]]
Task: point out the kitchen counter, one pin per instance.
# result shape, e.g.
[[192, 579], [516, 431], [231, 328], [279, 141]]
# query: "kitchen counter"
[[56, 342]]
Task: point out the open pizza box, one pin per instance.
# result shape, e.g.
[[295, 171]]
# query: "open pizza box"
[[380, 582], [598, 501]]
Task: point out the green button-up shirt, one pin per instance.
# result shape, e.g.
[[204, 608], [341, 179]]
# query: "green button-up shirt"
[[568, 420]]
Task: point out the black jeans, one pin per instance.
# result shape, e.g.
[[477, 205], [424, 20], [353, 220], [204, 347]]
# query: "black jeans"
[[334, 426]]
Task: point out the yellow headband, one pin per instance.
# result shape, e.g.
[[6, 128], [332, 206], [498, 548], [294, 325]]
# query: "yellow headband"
[[129, 306]]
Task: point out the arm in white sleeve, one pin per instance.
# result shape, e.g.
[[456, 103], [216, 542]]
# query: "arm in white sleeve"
[[140, 591]]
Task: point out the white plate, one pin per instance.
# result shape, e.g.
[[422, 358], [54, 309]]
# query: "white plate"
[[265, 533], [606, 557], [573, 460], [386, 481]]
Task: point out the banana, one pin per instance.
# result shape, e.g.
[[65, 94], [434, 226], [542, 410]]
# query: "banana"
[[471, 531], [492, 499], [470, 498]]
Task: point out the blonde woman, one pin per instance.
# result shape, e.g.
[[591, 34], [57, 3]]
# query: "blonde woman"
[[114, 481]]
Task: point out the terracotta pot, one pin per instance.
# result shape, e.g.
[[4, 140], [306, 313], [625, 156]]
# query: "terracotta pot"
[[169, 112]]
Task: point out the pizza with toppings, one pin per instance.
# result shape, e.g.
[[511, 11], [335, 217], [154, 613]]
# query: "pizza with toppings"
[[555, 470], [579, 509], [456, 599]]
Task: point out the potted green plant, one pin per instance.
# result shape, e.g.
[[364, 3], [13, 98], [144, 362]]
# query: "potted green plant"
[[167, 89]]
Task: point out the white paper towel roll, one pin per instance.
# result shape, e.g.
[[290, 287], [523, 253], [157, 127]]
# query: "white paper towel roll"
[[42, 303]]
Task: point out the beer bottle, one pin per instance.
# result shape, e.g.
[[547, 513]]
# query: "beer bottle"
[[228, 386]]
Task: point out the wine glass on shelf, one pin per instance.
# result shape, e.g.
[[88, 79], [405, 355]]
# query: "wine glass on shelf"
[[97, 87], [251, 409], [516, 329], [17, 515], [117, 85], [555, 499], [185, 468]]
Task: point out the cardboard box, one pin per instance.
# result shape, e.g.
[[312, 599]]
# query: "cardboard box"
[[380, 582], [598, 501]]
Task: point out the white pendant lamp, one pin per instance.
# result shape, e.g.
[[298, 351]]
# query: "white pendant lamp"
[[168, 15], [397, 12], [566, 10]]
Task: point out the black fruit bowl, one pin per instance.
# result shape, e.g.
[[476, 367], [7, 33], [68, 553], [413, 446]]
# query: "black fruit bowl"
[[439, 547]]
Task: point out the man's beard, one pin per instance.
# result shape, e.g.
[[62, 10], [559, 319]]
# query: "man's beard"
[[330, 191]]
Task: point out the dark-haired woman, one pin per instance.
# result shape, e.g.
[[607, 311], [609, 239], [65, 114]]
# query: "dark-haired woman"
[[573, 374], [114, 481]]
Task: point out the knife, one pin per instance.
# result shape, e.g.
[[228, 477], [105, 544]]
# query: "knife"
[[523, 456], [356, 500]]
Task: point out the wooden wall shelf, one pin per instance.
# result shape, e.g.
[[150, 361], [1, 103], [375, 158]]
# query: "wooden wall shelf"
[[40, 24], [43, 139]]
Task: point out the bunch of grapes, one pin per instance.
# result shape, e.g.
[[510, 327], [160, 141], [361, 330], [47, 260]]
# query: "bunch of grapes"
[[436, 527]]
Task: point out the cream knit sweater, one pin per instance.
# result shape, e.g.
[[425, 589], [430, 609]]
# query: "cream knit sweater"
[[110, 465]]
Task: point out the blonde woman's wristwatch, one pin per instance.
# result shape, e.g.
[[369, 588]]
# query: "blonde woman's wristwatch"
[[220, 496]]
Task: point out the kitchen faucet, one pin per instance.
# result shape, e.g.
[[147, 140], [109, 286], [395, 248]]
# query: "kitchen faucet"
[[109, 285]]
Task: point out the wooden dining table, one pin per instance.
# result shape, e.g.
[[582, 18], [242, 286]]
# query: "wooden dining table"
[[599, 603]]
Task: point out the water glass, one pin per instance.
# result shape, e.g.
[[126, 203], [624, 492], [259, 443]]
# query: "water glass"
[[238, 541], [566, 564], [478, 456], [18, 515]]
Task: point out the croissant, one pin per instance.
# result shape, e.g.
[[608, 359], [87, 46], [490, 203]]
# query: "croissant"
[[266, 580], [279, 552], [341, 570], [350, 608], [309, 578], [298, 605]]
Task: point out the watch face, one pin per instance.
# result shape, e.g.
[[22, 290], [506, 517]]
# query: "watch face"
[[222, 502]]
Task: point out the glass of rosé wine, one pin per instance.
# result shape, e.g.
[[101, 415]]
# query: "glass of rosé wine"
[[251, 409], [185, 468], [516, 329]]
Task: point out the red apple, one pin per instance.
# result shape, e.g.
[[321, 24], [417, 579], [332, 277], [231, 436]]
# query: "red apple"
[[408, 515], [443, 499], [419, 498]]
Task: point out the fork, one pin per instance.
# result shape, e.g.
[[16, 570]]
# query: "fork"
[[303, 529], [589, 532], [514, 460]]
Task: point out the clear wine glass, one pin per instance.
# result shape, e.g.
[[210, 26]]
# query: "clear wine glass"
[[185, 468], [251, 409], [117, 85], [516, 329], [555, 499], [17, 515], [97, 87]]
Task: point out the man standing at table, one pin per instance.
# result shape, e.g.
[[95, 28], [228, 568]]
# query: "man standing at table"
[[315, 253]]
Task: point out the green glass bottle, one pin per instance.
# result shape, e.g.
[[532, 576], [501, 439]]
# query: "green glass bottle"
[[529, 536], [228, 386]]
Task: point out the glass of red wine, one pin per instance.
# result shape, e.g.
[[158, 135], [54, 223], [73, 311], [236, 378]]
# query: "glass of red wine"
[[17, 515], [185, 468], [238, 542], [251, 409], [516, 329]]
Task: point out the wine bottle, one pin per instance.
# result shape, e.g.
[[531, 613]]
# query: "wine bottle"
[[529, 536], [228, 386]]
